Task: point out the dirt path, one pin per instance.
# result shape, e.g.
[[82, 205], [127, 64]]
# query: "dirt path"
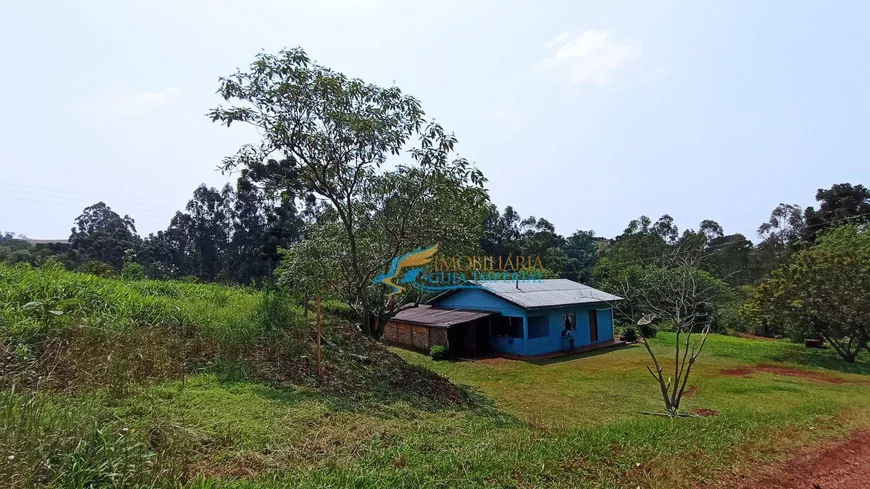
[[845, 465]]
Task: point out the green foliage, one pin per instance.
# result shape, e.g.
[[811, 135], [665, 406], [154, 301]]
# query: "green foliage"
[[132, 270], [438, 353], [649, 331], [629, 334], [825, 289], [338, 309], [100, 234], [225, 314], [729, 311], [333, 134], [98, 269], [277, 311], [841, 204]]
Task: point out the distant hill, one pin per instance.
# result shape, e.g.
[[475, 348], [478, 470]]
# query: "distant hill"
[[46, 241]]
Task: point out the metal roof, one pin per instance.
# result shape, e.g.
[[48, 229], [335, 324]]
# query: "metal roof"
[[547, 293], [438, 317]]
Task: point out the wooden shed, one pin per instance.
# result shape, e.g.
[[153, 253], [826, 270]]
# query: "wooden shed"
[[423, 327]]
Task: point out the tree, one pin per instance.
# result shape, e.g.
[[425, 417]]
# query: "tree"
[[581, 248], [676, 292], [711, 230], [403, 208], [100, 234], [782, 231], [825, 289], [336, 130], [837, 205], [666, 229]]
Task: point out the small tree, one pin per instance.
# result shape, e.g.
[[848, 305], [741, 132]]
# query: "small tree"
[[824, 289], [676, 293]]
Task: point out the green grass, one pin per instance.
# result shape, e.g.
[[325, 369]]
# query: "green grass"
[[570, 422], [226, 314], [607, 386]]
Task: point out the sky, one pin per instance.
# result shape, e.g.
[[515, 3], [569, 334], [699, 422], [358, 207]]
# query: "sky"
[[589, 114]]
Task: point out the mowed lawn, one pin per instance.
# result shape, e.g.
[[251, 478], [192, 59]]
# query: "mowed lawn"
[[608, 386]]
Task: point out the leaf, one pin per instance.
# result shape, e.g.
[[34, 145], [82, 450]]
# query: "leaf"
[[55, 312], [31, 305]]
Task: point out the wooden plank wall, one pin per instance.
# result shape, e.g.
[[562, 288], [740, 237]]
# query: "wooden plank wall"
[[415, 336]]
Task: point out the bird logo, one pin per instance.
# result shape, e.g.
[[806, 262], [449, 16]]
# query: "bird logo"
[[416, 258]]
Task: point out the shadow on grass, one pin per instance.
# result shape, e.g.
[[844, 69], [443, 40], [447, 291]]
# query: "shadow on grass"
[[579, 355], [827, 358]]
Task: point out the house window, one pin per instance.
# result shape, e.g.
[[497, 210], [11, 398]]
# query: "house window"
[[569, 321], [539, 326], [507, 326]]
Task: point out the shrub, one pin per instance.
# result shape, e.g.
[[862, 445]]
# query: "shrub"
[[648, 331], [439, 353], [629, 334]]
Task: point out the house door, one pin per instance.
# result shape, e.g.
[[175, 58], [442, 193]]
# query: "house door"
[[593, 325]]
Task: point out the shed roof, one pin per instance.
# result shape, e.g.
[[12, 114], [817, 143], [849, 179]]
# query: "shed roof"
[[542, 293], [438, 317]]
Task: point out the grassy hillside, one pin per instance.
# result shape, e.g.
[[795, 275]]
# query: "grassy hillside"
[[87, 366], [246, 411]]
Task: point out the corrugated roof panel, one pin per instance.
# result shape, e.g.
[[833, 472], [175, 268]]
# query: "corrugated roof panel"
[[438, 317], [547, 293]]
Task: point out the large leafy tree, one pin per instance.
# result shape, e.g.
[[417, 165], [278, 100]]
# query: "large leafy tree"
[[100, 234], [581, 250], [839, 204], [824, 289], [334, 132]]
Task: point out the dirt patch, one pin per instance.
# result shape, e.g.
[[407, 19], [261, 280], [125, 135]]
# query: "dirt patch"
[[691, 392], [736, 372], [704, 413], [750, 336], [786, 371], [844, 465], [793, 372]]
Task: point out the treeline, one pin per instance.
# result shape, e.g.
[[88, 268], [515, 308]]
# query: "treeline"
[[234, 234], [733, 258], [227, 235]]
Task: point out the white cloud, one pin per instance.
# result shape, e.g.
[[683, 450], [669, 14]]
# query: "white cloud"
[[504, 115], [140, 103], [593, 57], [558, 39]]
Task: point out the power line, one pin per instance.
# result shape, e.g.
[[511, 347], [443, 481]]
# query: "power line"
[[90, 196], [28, 195]]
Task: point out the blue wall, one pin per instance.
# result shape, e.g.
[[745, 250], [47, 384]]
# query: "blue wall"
[[582, 337], [552, 342], [481, 300]]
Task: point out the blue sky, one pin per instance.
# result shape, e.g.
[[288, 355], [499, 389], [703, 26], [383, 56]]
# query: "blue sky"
[[586, 113]]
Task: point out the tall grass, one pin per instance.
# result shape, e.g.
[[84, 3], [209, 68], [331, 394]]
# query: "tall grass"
[[227, 315]]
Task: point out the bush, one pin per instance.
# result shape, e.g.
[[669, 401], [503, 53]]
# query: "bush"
[[439, 353], [629, 334], [648, 331]]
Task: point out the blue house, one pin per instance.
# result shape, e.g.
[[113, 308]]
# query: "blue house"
[[516, 318]]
